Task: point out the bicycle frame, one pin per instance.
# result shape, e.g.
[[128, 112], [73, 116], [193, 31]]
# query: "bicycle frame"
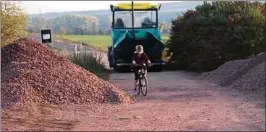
[[141, 73]]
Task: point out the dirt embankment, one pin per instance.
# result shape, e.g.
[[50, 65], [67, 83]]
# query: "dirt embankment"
[[31, 72]]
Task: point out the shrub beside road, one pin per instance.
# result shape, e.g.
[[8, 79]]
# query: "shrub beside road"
[[212, 34]]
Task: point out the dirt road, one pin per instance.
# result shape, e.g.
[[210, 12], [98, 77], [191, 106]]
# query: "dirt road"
[[175, 101]]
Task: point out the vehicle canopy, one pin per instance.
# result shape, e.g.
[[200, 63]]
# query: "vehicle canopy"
[[136, 6]]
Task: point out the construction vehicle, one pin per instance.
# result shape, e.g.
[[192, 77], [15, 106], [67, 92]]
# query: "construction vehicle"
[[135, 24]]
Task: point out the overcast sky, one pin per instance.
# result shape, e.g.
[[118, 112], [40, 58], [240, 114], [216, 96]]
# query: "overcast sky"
[[36, 7]]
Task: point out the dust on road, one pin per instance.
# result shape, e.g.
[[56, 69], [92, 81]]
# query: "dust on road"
[[175, 101]]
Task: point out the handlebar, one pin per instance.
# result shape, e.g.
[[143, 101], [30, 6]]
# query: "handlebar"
[[142, 65]]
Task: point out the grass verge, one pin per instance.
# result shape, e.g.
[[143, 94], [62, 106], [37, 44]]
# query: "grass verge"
[[91, 61], [99, 42]]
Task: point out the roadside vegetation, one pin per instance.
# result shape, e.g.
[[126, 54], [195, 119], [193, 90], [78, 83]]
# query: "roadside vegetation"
[[91, 62], [13, 22], [217, 32]]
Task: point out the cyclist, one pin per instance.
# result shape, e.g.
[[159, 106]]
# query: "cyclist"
[[139, 58]]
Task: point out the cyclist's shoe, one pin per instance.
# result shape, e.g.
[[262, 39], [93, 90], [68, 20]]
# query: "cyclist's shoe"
[[134, 92]]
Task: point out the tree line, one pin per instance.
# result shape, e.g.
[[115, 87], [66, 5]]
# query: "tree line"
[[75, 24], [66, 24], [217, 32]]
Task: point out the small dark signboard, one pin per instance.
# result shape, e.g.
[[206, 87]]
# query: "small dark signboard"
[[46, 36]]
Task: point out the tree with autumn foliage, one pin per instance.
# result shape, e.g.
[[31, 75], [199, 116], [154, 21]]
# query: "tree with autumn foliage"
[[217, 32], [14, 22]]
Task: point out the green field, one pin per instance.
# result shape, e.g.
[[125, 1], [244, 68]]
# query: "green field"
[[98, 41]]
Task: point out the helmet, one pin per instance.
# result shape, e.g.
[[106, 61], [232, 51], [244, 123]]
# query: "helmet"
[[139, 48]]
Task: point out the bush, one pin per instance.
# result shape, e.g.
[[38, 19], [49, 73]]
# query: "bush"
[[207, 37], [13, 24], [91, 62]]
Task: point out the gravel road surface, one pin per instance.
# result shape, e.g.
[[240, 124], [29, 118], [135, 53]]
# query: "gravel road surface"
[[175, 101]]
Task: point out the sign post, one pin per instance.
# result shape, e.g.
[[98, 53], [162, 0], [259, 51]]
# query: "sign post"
[[46, 36]]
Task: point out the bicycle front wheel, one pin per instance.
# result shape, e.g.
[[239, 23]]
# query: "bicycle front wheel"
[[144, 89], [138, 87]]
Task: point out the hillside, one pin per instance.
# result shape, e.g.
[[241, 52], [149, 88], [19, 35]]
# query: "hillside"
[[166, 7], [167, 13]]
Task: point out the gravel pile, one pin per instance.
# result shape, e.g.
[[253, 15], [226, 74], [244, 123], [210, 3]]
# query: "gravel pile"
[[252, 81], [232, 70], [246, 75], [222, 73], [31, 72]]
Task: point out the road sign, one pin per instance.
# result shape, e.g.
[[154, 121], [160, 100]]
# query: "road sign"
[[46, 36]]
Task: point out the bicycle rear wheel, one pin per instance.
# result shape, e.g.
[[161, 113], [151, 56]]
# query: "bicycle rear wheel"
[[144, 88]]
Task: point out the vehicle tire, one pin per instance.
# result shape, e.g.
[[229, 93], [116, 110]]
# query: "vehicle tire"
[[110, 60], [117, 68], [144, 87], [110, 64]]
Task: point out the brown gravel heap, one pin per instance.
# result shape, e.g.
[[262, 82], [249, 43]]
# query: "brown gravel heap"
[[232, 70], [252, 81], [224, 72], [246, 75], [31, 72]]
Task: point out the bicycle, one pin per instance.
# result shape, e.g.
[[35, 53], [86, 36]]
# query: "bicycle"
[[142, 80]]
